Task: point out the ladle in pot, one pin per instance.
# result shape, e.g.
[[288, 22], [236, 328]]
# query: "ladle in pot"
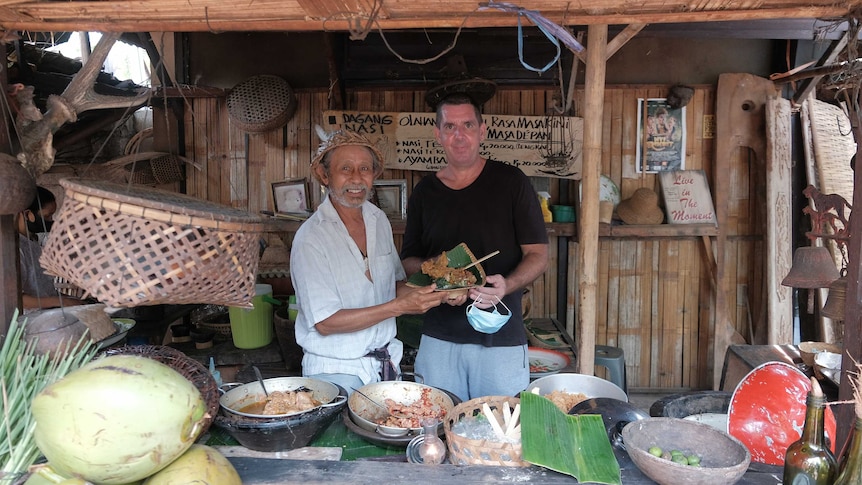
[[385, 409], [260, 379]]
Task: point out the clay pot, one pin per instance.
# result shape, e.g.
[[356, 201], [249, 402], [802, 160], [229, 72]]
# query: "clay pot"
[[52, 330], [17, 186]]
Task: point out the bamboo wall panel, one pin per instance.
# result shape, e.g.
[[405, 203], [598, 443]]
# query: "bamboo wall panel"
[[654, 296]]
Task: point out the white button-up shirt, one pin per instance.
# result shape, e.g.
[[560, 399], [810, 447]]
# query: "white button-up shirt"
[[328, 273]]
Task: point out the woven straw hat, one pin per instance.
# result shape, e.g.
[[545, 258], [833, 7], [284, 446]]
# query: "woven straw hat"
[[641, 208], [342, 138]]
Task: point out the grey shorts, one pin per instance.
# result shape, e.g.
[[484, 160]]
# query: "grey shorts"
[[470, 370]]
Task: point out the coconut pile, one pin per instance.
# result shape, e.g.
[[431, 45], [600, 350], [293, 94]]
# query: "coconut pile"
[[122, 419]]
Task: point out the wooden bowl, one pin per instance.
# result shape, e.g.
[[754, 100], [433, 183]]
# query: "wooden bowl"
[[724, 459], [809, 349]]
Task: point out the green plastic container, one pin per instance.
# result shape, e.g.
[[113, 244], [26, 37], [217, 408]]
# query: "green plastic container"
[[252, 328], [563, 213]]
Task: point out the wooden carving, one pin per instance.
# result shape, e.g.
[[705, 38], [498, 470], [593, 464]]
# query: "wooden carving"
[[37, 130]]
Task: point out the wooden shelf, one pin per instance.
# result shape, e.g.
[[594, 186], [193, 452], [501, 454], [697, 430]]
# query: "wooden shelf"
[[561, 229], [658, 230]]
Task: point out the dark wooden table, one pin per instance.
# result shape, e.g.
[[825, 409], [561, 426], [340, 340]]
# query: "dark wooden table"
[[264, 472]]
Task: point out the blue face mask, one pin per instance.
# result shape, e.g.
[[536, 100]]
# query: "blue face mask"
[[487, 321]]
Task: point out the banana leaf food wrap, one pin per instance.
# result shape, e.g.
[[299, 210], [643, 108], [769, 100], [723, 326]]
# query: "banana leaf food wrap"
[[445, 271]]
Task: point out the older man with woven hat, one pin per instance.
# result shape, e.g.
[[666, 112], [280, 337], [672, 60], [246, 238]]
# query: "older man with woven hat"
[[347, 272]]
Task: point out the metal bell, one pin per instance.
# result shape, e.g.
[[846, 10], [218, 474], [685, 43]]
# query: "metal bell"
[[813, 267], [834, 306]]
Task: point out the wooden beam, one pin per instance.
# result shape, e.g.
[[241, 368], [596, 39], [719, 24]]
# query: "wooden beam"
[[836, 50], [588, 223], [623, 37], [616, 43], [8, 241], [779, 221], [284, 15]]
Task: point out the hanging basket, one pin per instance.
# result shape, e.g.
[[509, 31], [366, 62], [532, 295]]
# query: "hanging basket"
[[261, 103], [129, 245]]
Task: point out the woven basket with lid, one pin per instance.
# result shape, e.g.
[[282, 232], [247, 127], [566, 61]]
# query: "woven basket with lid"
[[129, 245]]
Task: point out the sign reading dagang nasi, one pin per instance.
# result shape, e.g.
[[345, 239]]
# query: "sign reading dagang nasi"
[[407, 140]]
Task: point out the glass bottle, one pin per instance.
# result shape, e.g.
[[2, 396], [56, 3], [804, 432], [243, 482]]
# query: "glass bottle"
[[851, 468], [809, 461], [431, 449]]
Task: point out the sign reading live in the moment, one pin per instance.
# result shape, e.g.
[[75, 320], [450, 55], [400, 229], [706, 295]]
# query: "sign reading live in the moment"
[[407, 140], [687, 197]]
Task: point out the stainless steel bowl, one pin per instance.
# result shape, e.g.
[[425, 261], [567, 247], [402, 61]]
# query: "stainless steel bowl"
[[365, 414], [590, 386]]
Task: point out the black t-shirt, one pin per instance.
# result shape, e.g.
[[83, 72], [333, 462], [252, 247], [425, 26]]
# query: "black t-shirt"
[[498, 211]]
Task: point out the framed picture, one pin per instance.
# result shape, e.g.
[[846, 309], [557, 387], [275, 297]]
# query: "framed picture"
[[661, 136], [291, 196], [391, 197]]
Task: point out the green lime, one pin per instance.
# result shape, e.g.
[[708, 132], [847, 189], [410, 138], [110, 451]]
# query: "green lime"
[[680, 459], [693, 460], [655, 451]]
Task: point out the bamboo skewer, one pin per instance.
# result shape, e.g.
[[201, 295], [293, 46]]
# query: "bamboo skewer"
[[483, 258]]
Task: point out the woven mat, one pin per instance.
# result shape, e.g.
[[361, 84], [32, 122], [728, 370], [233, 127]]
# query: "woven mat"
[[833, 145]]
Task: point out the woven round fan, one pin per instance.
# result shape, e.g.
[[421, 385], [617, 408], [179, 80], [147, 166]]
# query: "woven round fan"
[[261, 103]]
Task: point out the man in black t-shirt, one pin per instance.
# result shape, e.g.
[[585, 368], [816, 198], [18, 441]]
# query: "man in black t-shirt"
[[489, 206]]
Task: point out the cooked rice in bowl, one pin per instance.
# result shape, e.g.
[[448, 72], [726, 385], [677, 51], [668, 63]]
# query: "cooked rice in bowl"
[[565, 400]]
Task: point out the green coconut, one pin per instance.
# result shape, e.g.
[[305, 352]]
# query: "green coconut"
[[118, 419], [200, 464]]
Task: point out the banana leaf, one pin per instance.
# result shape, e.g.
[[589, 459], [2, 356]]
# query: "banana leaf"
[[574, 445], [459, 256]]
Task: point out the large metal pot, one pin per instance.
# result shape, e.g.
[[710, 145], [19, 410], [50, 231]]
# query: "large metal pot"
[[365, 413], [281, 434], [247, 394]]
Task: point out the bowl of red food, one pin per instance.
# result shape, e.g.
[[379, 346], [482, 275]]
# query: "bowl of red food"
[[396, 408]]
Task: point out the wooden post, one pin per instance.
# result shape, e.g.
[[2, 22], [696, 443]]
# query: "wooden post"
[[8, 242], [845, 415], [779, 222], [588, 223]]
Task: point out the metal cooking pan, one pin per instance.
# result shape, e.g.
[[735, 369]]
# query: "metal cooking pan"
[[364, 413], [246, 394]]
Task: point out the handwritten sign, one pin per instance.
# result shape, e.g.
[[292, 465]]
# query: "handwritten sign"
[[407, 140], [687, 197]]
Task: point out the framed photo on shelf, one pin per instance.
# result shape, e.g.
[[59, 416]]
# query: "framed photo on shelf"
[[291, 196], [391, 197]]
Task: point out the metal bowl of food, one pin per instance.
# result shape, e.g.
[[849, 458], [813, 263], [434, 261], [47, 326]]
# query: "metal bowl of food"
[[288, 396], [579, 384], [272, 434], [407, 403]]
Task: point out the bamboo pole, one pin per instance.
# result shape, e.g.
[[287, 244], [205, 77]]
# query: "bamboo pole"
[[588, 223]]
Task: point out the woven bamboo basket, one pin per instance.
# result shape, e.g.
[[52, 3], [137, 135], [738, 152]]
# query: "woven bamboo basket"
[[261, 103], [130, 245], [189, 368], [466, 451]]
